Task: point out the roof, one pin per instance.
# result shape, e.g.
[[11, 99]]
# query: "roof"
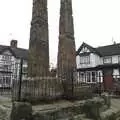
[[103, 51], [117, 65], [17, 52], [92, 49], [109, 50]]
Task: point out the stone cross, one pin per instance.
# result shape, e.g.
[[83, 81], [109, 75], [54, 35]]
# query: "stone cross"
[[38, 56], [66, 47]]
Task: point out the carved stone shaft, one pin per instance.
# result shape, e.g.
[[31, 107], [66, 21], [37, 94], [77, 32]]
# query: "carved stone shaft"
[[66, 47], [38, 58]]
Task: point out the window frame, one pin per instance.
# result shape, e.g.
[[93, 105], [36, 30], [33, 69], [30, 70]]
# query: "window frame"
[[118, 59], [107, 62], [84, 59]]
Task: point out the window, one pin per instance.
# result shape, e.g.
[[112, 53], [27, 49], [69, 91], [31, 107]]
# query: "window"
[[88, 76], [84, 59], [118, 59], [6, 81], [107, 60], [25, 70], [82, 77], [99, 77], [7, 57], [93, 76]]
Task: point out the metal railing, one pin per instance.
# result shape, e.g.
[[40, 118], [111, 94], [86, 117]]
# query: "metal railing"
[[20, 87]]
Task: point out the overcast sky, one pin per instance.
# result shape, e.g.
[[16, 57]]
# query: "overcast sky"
[[95, 21]]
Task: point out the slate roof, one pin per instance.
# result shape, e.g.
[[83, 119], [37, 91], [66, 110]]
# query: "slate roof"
[[103, 51], [109, 50], [92, 49], [17, 52]]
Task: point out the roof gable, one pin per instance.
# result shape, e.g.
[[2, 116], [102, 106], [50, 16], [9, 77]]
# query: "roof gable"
[[102, 51], [20, 53], [17, 52], [85, 48], [6, 51]]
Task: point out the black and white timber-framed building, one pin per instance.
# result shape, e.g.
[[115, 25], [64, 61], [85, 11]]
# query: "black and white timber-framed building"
[[94, 63], [10, 58]]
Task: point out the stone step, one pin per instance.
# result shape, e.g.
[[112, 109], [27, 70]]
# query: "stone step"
[[77, 117], [81, 117]]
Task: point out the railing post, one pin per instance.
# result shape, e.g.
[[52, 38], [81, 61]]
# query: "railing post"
[[20, 79], [73, 79]]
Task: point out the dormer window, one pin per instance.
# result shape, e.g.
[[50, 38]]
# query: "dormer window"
[[107, 60]]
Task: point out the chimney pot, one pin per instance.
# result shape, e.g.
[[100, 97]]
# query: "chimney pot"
[[13, 43]]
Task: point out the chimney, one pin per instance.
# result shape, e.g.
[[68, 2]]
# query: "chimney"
[[13, 43]]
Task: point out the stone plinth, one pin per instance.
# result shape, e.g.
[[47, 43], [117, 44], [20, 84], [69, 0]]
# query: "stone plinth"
[[21, 111]]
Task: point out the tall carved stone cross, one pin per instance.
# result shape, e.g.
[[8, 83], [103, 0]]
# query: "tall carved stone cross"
[[66, 47], [38, 59]]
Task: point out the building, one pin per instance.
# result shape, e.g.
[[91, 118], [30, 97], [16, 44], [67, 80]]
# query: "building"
[[95, 63], [10, 58]]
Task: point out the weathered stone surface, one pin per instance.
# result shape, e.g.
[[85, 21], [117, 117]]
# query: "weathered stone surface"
[[92, 108], [113, 113], [107, 99], [66, 47], [79, 110], [5, 108], [38, 58], [5, 112], [61, 110], [21, 110]]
